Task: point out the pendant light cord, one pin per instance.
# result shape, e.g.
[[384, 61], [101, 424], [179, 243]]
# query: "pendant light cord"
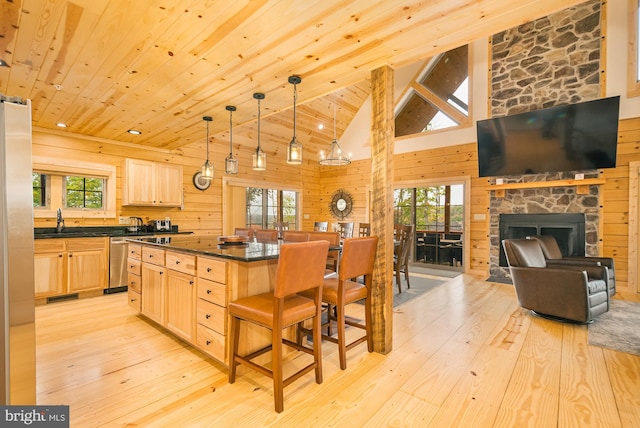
[[258, 124], [295, 101], [334, 121], [230, 133], [207, 140]]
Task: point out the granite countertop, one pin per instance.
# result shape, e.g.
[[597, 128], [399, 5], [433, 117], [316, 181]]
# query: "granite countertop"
[[212, 246], [98, 231]]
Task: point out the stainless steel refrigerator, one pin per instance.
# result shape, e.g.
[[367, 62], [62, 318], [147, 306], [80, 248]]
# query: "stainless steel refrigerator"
[[17, 307]]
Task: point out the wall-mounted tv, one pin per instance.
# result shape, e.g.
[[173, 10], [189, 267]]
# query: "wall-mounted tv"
[[571, 137]]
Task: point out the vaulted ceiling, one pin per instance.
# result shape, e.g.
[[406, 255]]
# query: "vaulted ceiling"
[[106, 66]]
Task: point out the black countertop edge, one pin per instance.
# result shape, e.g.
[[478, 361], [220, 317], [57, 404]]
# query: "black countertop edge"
[[97, 231], [243, 253]]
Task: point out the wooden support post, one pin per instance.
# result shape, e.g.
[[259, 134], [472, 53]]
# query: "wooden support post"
[[382, 143]]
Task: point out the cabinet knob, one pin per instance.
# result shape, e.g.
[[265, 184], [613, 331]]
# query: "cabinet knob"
[[150, 256], [190, 282], [59, 255], [208, 291], [177, 262], [207, 316], [208, 342], [208, 269], [70, 254]]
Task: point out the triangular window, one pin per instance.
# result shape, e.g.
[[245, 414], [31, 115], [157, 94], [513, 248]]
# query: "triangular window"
[[438, 97]]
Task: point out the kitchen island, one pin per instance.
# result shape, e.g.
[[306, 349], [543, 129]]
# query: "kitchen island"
[[184, 284]]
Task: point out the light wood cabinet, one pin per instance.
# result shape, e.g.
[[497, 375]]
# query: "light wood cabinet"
[[153, 292], [147, 183], [180, 303], [68, 266]]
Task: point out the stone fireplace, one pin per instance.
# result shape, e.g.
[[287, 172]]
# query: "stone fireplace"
[[570, 216]]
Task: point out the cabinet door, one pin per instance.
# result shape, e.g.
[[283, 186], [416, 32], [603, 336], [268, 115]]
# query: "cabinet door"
[[139, 183], [87, 270], [168, 184], [153, 289], [180, 298], [49, 274]]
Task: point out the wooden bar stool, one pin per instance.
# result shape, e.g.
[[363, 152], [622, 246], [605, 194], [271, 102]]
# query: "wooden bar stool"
[[300, 268], [357, 258]]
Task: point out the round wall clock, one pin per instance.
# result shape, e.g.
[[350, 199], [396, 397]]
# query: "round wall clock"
[[341, 204], [199, 182]]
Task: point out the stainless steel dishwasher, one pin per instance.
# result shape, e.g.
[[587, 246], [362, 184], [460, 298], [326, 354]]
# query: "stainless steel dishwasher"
[[117, 265]]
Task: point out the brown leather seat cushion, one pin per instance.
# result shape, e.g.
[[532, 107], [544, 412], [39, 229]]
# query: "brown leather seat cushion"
[[259, 309]]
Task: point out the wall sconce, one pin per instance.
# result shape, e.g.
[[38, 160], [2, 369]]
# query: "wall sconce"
[[259, 157], [294, 151], [231, 162], [207, 167]]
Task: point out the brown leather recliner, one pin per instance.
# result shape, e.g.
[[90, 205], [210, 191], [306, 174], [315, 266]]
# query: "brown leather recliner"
[[568, 292], [554, 256]]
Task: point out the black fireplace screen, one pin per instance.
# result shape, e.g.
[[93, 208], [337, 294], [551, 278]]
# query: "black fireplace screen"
[[568, 229]]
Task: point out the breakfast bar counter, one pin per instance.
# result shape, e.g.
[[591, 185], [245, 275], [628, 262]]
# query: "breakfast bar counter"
[[184, 284]]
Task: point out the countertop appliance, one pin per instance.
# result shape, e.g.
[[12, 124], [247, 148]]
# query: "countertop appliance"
[[160, 225], [118, 280], [135, 224]]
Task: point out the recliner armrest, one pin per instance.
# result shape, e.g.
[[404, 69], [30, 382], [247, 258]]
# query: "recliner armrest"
[[604, 261]]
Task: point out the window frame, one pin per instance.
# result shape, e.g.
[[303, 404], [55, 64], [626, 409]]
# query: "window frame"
[[415, 87], [57, 170], [633, 82]]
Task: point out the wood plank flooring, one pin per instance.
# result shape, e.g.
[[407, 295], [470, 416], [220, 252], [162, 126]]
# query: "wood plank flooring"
[[464, 355]]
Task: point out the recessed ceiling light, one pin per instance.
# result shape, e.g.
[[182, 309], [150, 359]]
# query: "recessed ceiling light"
[[61, 125], [134, 132], [58, 87], [321, 126]]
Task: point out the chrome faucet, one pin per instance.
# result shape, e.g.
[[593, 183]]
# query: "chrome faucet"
[[60, 222]]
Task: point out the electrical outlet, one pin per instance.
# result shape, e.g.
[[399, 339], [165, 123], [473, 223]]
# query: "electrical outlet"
[[579, 176], [123, 220]]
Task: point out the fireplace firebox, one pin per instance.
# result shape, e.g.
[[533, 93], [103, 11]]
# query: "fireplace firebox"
[[567, 228]]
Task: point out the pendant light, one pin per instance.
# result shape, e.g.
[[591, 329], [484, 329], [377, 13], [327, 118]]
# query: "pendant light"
[[231, 162], [259, 157], [207, 167], [334, 156], [294, 151]]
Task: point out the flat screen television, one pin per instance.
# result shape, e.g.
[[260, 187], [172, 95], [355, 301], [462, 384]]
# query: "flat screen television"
[[572, 137]]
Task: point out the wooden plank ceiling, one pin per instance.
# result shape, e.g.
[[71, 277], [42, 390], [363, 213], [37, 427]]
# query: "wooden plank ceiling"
[[106, 66]]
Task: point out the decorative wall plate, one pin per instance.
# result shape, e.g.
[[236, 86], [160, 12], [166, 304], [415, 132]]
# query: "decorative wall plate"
[[199, 182], [341, 204]]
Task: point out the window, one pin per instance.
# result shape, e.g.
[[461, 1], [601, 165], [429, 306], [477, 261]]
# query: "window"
[[267, 206], [39, 190], [438, 98], [633, 72], [81, 189], [434, 208], [84, 192]]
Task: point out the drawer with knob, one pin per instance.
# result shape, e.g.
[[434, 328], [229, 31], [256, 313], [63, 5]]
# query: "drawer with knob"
[[134, 251], [153, 255], [185, 263], [134, 300], [134, 282], [211, 342], [134, 266], [213, 270], [211, 316], [213, 292]]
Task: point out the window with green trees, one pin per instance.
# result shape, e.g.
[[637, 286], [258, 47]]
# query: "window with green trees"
[[433, 208], [84, 192], [267, 206]]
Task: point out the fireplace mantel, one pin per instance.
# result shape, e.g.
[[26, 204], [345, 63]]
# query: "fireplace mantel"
[[581, 185]]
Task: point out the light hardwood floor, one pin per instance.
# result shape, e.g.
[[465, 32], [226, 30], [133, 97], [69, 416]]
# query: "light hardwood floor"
[[464, 355]]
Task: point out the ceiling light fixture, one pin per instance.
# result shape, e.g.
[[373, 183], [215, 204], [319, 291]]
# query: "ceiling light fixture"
[[294, 151], [259, 157], [335, 156], [231, 162], [61, 125], [134, 132], [3, 63], [207, 167]]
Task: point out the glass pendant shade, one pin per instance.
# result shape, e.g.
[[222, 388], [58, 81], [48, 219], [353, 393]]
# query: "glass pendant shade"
[[334, 155], [294, 151], [259, 157], [207, 167], [231, 162]]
